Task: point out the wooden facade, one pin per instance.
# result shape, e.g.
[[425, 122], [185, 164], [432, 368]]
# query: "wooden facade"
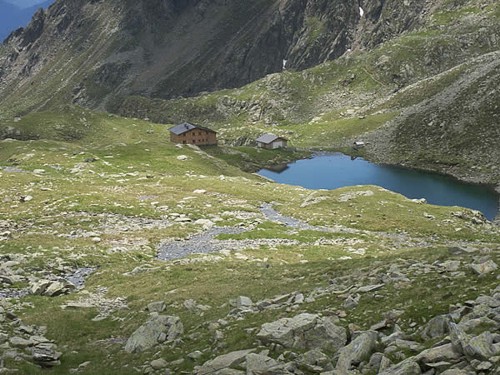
[[187, 133]]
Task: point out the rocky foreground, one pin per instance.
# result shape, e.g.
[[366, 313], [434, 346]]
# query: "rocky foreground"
[[465, 341]]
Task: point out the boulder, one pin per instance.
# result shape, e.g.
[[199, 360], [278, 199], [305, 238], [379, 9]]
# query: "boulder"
[[360, 349], [58, 288], [455, 371], [479, 347], [45, 355], [158, 329], [19, 342], [484, 267], [262, 364], [407, 367], [436, 327], [158, 307], [225, 361], [52, 288], [242, 303], [159, 364], [443, 353], [315, 361], [304, 331]]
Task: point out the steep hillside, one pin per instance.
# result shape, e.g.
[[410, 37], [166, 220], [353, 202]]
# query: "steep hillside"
[[88, 52], [13, 16], [454, 130]]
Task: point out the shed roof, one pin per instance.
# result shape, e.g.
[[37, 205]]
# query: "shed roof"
[[269, 138], [185, 127]]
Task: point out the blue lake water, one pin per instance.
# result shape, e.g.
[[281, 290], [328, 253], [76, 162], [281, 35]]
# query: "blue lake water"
[[338, 170]]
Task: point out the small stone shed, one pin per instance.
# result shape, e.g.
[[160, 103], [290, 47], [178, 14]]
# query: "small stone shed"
[[271, 141], [187, 133]]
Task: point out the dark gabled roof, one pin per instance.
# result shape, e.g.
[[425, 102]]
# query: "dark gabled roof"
[[185, 127], [269, 138]]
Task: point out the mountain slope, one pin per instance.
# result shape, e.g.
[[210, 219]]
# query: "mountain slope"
[[88, 52], [395, 61], [13, 17]]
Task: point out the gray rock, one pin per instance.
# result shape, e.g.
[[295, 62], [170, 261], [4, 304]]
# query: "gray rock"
[[229, 371], [370, 288], [58, 288], [360, 349], [450, 265], [482, 366], [438, 354], [158, 307], [351, 301], [242, 303], [195, 355], [396, 335], [40, 286], [385, 364], [195, 307], [436, 327], [52, 288], [3, 337], [158, 329], [159, 364], [261, 364], [45, 355], [19, 342], [407, 367], [223, 362], [314, 361], [408, 345], [378, 362], [455, 371], [484, 267], [479, 347], [473, 324], [304, 331]]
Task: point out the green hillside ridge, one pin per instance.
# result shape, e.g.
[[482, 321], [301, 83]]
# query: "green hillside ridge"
[[109, 197], [333, 104]]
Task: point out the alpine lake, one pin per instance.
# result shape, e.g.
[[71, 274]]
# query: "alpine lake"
[[337, 170]]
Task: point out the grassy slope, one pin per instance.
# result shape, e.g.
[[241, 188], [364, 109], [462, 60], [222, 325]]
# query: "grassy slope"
[[332, 104], [118, 167]]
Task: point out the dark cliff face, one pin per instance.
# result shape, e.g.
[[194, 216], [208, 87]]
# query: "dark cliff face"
[[385, 19], [227, 44], [171, 48]]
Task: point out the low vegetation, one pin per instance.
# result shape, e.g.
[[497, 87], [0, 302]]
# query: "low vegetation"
[[108, 198]]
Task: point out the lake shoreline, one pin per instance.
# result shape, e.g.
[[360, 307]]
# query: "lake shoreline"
[[477, 196]]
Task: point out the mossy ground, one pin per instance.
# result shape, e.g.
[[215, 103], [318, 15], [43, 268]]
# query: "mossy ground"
[[118, 170]]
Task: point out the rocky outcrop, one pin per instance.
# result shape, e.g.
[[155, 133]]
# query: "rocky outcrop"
[[304, 331], [454, 347], [158, 329], [25, 343], [454, 131]]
